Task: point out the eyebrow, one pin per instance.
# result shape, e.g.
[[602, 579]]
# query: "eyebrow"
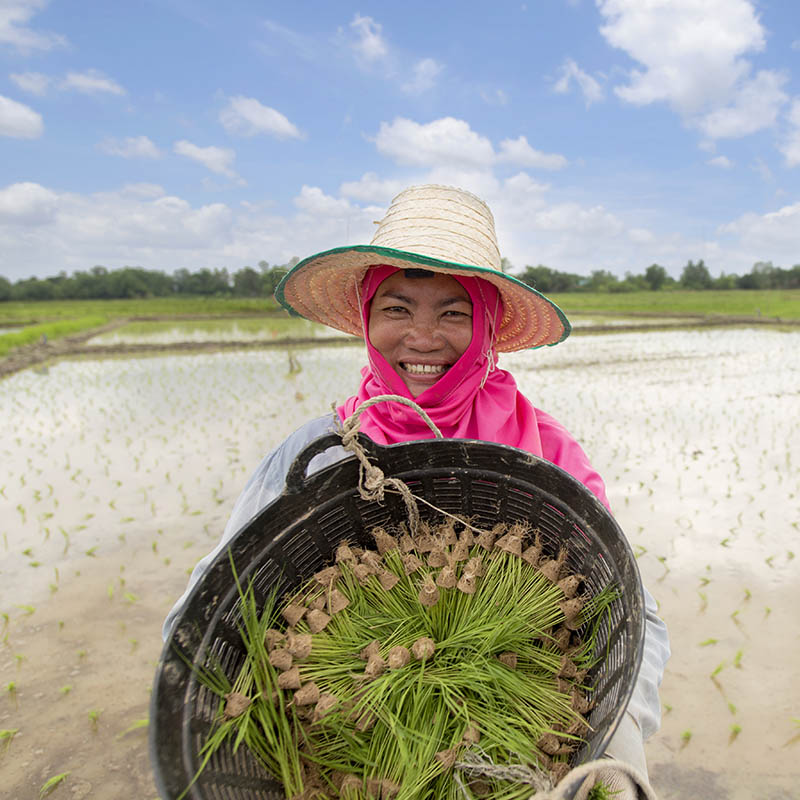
[[449, 301]]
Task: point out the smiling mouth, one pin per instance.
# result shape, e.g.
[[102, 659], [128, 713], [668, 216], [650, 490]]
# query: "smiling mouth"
[[424, 369]]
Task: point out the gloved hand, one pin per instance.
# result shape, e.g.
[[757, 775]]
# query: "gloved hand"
[[623, 770], [618, 784], [622, 781]]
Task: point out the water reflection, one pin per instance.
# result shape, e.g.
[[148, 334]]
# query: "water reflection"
[[216, 330]]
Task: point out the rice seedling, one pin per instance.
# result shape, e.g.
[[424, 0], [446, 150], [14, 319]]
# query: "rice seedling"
[[707, 642], [686, 737], [444, 661], [134, 726], [94, 716], [51, 783], [796, 737], [7, 735], [737, 659], [12, 691], [735, 731], [65, 690]]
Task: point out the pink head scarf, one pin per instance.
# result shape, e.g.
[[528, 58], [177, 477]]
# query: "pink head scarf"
[[474, 399]]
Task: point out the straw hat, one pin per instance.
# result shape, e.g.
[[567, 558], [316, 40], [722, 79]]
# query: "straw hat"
[[439, 228]]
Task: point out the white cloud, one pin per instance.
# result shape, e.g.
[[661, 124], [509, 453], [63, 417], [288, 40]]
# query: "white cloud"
[[246, 116], [148, 190], [494, 97], [33, 82], [691, 50], [372, 189], [693, 56], [720, 161], [14, 16], [589, 86], [27, 203], [19, 121], [755, 106], [141, 225], [313, 200], [443, 141], [518, 151], [790, 145], [424, 76], [769, 237], [91, 82], [451, 143], [216, 159], [130, 147], [370, 44]]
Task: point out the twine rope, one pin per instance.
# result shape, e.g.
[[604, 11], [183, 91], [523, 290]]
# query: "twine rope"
[[477, 763], [372, 483]]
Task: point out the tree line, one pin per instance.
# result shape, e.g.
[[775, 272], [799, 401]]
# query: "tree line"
[[655, 278], [133, 282]]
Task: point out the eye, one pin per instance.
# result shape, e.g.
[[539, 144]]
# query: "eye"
[[395, 310]]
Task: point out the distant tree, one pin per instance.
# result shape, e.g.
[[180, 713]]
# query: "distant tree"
[[696, 276], [545, 279], [33, 289], [271, 278], [725, 282], [204, 282], [5, 289], [655, 277], [247, 283], [601, 280]]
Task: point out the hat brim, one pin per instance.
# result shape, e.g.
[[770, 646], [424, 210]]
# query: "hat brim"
[[325, 288]]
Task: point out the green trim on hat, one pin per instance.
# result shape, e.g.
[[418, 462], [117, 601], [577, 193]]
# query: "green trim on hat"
[[420, 261]]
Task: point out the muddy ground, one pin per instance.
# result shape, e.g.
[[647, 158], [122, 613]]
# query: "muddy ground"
[[119, 474]]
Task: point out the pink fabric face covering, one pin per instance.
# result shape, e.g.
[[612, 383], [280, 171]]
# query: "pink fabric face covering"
[[474, 399]]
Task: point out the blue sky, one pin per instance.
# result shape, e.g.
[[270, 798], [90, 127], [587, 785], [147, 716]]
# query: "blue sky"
[[604, 134]]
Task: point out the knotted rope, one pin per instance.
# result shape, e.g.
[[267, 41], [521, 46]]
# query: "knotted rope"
[[372, 482]]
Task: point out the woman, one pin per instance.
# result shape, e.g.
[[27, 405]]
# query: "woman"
[[434, 309]]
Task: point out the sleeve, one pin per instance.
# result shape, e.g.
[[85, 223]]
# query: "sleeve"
[[264, 486], [644, 708]]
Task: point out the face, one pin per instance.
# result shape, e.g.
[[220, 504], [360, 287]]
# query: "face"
[[421, 326]]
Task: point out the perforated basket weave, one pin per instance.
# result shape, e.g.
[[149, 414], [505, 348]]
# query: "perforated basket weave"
[[298, 534]]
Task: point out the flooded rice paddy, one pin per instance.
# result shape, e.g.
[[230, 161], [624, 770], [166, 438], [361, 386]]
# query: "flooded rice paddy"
[[255, 329], [117, 475]]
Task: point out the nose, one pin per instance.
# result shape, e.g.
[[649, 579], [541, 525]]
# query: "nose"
[[423, 334]]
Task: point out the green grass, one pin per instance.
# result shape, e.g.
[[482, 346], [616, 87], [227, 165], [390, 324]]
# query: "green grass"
[[53, 330], [771, 304], [53, 310]]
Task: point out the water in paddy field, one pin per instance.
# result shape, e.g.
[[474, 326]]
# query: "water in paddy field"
[[117, 475], [214, 330]]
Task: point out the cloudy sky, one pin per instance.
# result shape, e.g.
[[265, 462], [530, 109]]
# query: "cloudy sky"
[[604, 134]]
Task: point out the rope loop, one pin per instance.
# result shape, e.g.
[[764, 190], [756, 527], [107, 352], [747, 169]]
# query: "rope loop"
[[372, 482]]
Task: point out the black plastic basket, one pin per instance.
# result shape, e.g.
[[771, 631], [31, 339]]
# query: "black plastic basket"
[[298, 534]]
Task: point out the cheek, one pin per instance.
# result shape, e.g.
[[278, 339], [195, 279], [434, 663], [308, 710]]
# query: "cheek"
[[461, 340], [380, 336]]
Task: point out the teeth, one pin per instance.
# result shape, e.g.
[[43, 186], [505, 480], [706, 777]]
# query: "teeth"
[[424, 369]]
